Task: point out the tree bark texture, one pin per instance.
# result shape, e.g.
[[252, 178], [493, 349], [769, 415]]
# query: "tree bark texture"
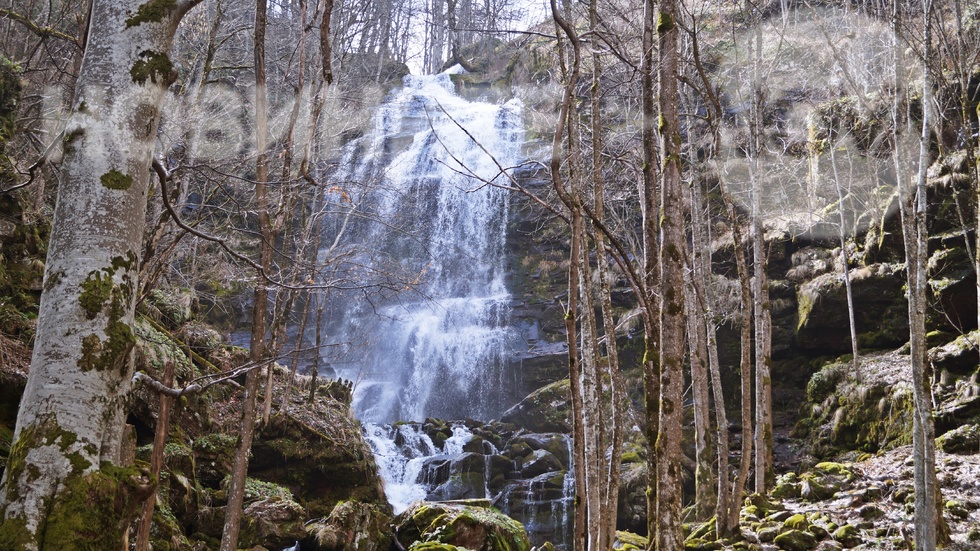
[[764, 473], [670, 536], [650, 272], [745, 364], [70, 423]]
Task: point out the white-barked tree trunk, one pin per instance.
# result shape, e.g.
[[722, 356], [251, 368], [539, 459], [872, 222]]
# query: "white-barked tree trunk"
[[63, 488]]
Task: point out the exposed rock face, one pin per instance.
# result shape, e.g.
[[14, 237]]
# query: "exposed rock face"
[[304, 462], [474, 526], [881, 312]]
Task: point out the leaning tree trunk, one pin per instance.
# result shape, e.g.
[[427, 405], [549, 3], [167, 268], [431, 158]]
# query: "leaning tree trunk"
[[65, 466]]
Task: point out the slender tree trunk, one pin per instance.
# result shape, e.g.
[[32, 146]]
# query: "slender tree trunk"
[[609, 500], [704, 476], [913, 212], [670, 536], [764, 474], [572, 203], [704, 347], [855, 362], [236, 491], [156, 459], [591, 416], [745, 364], [650, 210], [70, 422]]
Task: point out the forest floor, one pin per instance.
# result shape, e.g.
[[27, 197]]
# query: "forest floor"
[[875, 497], [876, 503]]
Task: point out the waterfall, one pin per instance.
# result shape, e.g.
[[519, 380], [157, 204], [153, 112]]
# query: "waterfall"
[[417, 220], [429, 219]]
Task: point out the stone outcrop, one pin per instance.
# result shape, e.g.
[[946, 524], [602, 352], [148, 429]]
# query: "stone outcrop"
[[472, 525]]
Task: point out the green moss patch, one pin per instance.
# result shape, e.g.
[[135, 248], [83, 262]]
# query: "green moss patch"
[[155, 67], [116, 180], [152, 11]]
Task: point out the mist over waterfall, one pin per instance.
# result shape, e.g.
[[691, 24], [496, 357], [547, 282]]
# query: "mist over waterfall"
[[430, 336]]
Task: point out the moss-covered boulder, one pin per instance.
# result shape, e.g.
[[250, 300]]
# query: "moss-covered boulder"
[[214, 454], [848, 535], [796, 540], [547, 409], [460, 525], [273, 523], [796, 522], [628, 541], [844, 414], [958, 356], [964, 440], [351, 526], [322, 459]]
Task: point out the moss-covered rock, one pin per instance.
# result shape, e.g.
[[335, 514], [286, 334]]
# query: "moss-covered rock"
[[796, 522], [628, 541], [475, 528], [864, 416], [351, 526], [321, 465], [547, 409], [881, 313], [796, 540], [848, 535], [214, 454], [273, 523]]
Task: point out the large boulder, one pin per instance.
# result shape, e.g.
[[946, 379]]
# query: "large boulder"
[[964, 440], [547, 409], [322, 459], [273, 522], [351, 526], [880, 310], [459, 524]]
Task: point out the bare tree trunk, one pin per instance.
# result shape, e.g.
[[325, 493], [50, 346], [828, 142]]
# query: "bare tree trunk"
[[855, 362], [591, 410], [745, 364], [913, 212], [704, 476], [764, 474], [701, 270], [156, 459], [650, 209], [236, 490], [609, 498], [572, 203], [670, 535], [71, 417]]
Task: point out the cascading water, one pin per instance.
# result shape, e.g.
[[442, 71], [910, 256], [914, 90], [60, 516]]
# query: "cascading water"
[[421, 209], [427, 212]]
